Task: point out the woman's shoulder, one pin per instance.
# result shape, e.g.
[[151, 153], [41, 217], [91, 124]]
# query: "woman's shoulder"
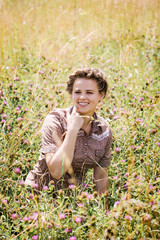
[[102, 129], [56, 116], [58, 113]]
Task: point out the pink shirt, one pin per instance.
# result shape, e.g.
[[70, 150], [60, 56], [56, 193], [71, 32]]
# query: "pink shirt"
[[90, 150]]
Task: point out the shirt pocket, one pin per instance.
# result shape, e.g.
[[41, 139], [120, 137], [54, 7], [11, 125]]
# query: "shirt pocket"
[[99, 154]]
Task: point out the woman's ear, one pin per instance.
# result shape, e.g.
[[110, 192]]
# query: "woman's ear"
[[102, 95]]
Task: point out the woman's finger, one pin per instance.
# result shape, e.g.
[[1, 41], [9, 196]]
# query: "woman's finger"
[[75, 111]]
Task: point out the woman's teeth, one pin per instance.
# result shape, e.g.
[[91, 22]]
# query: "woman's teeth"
[[83, 104]]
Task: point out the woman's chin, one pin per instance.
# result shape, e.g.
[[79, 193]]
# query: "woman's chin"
[[85, 113]]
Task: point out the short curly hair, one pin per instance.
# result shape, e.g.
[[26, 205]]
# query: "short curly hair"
[[88, 73]]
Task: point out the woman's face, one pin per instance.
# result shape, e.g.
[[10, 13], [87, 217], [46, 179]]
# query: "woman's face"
[[85, 96]]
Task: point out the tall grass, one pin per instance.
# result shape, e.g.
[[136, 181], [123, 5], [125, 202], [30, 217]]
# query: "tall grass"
[[41, 43], [52, 28]]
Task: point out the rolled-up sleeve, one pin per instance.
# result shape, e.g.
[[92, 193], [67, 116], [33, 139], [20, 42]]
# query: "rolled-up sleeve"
[[52, 132], [106, 159]]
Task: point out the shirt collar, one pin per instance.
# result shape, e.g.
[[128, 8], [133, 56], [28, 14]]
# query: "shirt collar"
[[95, 123]]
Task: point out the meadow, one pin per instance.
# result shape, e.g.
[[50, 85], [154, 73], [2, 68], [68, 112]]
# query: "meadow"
[[41, 43]]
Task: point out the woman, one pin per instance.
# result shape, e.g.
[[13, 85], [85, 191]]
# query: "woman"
[[75, 139]]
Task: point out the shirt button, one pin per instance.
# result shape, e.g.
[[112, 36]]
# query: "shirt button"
[[85, 144], [85, 153]]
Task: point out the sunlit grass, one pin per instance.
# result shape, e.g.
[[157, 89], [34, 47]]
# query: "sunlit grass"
[[47, 26]]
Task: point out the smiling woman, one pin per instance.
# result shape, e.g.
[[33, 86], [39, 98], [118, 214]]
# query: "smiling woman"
[[85, 96], [75, 139]]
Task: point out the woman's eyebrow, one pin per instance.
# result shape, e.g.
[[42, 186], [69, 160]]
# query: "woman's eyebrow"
[[87, 90]]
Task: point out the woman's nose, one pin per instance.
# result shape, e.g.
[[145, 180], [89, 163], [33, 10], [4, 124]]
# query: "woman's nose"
[[82, 96]]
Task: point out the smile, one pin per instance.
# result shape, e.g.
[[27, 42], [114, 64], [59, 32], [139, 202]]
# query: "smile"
[[83, 104]]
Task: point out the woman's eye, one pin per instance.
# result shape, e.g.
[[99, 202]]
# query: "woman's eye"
[[89, 92], [77, 92]]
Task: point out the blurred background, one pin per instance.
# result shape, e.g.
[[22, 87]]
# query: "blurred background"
[[69, 31]]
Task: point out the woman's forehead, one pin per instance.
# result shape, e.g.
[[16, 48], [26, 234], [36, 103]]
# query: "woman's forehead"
[[85, 83]]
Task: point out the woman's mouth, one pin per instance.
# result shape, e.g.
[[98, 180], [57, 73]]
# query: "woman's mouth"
[[83, 104]]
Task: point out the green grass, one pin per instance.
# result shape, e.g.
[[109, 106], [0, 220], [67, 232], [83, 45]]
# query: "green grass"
[[41, 43]]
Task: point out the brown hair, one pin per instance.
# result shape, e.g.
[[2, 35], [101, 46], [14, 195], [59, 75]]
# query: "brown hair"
[[88, 73]]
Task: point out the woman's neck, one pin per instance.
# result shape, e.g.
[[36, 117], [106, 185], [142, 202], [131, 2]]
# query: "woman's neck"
[[87, 121], [87, 125]]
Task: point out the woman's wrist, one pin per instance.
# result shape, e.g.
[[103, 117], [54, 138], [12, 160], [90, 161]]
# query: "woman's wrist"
[[73, 131]]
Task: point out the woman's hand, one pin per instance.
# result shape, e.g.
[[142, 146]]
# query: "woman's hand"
[[100, 178], [75, 120]]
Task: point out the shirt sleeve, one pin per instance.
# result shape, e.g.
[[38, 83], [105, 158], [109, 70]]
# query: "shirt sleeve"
[[52, 132], [106, 159]]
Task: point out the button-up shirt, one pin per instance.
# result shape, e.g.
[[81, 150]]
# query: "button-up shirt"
[[90, 150]]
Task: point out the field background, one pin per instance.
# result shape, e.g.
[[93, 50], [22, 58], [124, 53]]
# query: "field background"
[[41, 43]]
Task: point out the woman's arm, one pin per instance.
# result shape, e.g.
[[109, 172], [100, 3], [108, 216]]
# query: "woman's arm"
[[100, 178], [58, 163]]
